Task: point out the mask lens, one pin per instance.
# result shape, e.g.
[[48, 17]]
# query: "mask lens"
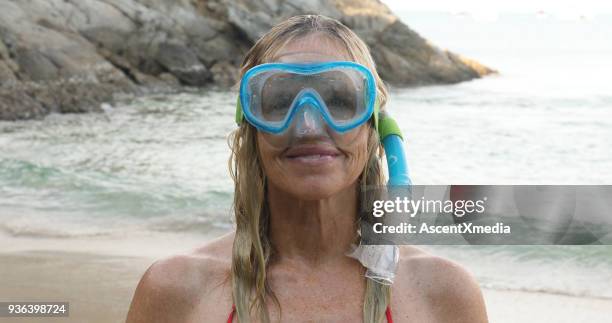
[[341, 94], [277, 95]]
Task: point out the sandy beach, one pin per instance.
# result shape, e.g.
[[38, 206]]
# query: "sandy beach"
[[97, 276], [516, 306], [99, 287]]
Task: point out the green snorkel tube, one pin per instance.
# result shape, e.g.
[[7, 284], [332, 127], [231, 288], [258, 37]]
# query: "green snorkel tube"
[[391, 137]]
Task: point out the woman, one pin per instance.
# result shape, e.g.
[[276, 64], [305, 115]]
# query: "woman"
[[297, 200]]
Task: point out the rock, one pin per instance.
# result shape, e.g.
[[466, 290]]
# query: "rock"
[[7, 78], [107, 38], [169, 80], [138, 53], [252, 24], [16, 104], [224, 74], [196, 27], [4, 52], [472, 66], [393, 68], [218, 49], [74, 98], [321, 7], [183, 63], [404, 58], [71, 55], [35, 65]]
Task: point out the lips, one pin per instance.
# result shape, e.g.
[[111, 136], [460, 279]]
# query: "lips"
[[312, 154]]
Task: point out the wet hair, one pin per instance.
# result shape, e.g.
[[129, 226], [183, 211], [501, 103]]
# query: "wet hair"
[[252, 249]]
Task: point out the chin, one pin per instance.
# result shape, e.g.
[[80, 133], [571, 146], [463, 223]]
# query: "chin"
[[314, 189]]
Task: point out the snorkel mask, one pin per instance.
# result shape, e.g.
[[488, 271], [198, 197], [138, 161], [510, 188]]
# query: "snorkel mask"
[[289, 100]]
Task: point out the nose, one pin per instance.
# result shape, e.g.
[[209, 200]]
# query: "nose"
[[309, 121]]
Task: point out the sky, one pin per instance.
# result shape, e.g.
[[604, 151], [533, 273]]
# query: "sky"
[[489, 9]]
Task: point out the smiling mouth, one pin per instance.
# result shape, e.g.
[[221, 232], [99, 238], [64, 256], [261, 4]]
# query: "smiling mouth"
[[312, 154]]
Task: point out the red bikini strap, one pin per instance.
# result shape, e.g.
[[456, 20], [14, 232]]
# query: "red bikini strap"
[[388, 313], [231, 316]]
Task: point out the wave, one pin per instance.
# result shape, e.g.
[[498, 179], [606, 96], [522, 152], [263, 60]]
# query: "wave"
[[552, 291], [47, 225], [579, 271], [189, 223], [21, 172], [40, 227]]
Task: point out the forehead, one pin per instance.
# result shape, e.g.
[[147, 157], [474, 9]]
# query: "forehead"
[[312, 48]]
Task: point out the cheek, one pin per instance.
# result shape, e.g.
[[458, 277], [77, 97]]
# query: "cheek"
[[355, 145], [268, 153]]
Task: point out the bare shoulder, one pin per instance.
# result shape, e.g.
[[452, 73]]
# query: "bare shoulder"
[[174, 287], [448, 290]]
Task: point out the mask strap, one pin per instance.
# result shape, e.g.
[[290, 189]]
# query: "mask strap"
[[239, 116]]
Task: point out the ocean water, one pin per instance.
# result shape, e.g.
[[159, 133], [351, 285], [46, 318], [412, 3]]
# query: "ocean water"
[[158, 164]]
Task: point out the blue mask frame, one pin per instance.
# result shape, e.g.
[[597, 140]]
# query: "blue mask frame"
[[308, 97]]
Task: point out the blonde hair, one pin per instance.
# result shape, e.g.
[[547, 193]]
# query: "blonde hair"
[[252, 250]]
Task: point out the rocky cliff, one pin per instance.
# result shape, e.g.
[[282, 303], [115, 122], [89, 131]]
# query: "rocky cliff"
[[70, 55]]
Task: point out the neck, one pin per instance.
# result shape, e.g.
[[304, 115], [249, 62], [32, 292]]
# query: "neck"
[[315, 231]]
